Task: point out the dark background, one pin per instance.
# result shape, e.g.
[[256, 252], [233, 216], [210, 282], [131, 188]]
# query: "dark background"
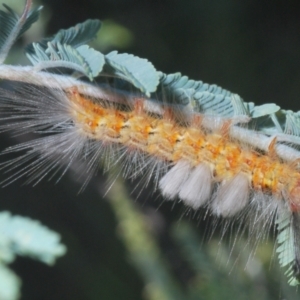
[[248, 47]]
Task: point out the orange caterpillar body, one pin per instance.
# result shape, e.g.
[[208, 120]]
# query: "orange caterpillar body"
[[222, 159]]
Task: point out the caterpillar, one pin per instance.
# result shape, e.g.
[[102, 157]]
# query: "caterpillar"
[[200, 166], [200, 158], [191, 157]]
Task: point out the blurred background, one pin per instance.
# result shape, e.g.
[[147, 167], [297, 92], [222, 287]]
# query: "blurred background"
[[132, 245]]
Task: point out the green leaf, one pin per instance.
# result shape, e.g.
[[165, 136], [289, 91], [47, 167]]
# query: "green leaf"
[[286, 240], [239, 107], [264, 110], [94, 59], [79, 34], [12, 26], [83, 59], [30, 238], [32, 17], [206, 98], [75, 36], [9, 20], [138, 71], [292, 124], [176, 81], [9, 284]]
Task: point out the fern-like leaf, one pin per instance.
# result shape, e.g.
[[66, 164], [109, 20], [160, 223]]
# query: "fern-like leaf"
[[287, 248], [203, 97], [12, 26], [83, 59], [23, 236], [78, 35], [138, 71], [75, 36]]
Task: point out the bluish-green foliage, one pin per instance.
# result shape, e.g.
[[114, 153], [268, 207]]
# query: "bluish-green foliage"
[[25, 237]]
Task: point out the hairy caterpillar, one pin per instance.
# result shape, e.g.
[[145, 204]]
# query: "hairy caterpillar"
[[200, 165], [192, 157]]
